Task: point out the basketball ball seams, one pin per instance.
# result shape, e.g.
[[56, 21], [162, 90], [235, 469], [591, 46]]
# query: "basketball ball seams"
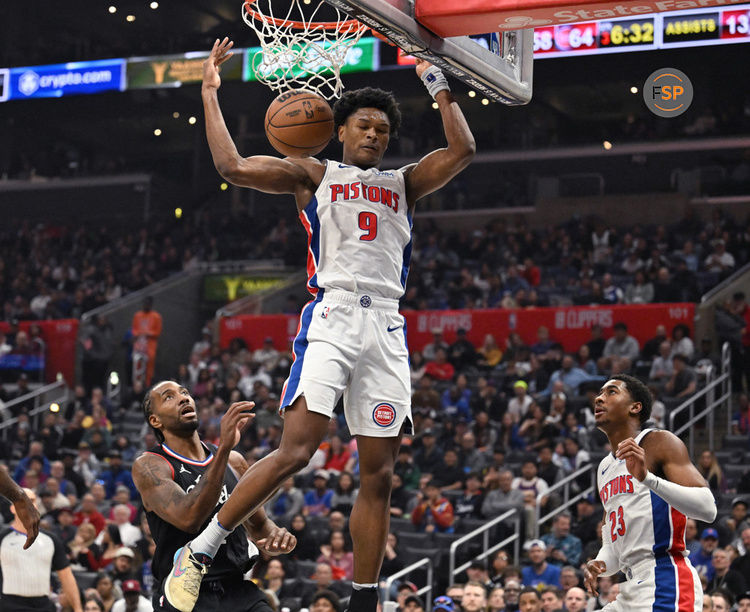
[[299, 123]]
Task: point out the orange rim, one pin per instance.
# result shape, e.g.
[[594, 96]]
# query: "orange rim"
[[349, 24]]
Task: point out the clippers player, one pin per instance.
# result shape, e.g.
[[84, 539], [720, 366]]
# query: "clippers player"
[[183, 482], [649, 489], [351, 341]]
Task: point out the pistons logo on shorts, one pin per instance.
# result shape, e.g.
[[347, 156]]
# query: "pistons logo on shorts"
[[384, 415]]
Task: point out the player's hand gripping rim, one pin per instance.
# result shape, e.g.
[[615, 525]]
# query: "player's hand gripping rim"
[[591, 573]]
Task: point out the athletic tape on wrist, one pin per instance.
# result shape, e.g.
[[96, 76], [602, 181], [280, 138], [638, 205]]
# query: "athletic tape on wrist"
[[434, 80]]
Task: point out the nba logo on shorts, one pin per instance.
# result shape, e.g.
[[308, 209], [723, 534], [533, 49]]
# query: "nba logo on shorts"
[[324, 314], [384, 415]]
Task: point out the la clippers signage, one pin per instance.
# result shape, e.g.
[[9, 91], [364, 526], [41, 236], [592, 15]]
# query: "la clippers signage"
[[461, 17], [569, 325]]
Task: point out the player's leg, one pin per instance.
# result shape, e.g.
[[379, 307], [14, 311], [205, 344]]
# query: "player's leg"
[[369, 520]]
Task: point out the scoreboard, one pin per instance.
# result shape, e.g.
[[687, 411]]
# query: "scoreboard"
[[648, 32]]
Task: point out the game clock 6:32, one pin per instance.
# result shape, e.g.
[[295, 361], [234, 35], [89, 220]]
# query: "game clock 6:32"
[[626, 33]]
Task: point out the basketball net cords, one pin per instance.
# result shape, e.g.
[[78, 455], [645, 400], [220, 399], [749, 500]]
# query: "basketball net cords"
[[311, 56]]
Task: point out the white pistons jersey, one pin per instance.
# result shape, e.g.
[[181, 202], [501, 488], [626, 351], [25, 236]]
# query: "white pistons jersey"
[[644, 531], [359, 232]]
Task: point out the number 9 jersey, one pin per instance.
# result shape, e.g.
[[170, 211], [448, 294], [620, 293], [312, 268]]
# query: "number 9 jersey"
[[359, 232], [647, 536]]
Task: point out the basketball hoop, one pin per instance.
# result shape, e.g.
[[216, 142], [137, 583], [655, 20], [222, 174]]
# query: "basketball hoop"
[[296, 50]]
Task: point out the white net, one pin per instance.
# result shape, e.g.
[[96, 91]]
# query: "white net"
[[296, 50]]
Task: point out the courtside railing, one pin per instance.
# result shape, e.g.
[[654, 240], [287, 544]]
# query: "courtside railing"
[[41, 400], [717, 393], [487, 550], [567, 500], [426, 589]]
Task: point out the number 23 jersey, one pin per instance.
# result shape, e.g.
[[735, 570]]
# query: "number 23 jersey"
[[359, 232], [638, 523]]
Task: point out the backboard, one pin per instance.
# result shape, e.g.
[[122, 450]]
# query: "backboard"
[[502, 73]]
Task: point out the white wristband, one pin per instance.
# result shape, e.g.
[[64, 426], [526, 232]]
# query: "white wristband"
[[434, 80]]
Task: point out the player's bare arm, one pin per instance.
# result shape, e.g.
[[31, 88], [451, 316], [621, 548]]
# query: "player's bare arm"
[[664, 466], [162, 495], [25, 508], [262, 172], [437, 168], [267, 535]]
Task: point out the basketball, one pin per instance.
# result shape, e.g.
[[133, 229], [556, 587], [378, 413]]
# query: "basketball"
[[299, 123]]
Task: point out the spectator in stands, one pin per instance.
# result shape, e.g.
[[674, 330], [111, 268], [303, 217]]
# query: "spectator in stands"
[[392, 563], [742, 562], [132, 599], [267, 355], [539, 573], [337, 455], [98, 346], [731, 527], [724, 577], [105, 589], [471, 458], [620, 351], [544, 348], [417, 367], [336, 554], [742, 310], [475, 597], [462, 353], [640, 290], [496, 600], [551, 600], [682, 344], [720, 261], [570, 375], [429, 352], [563, 548], [612, 293], [434, 513], [498, 565], [286, 502], [575, 600], [469, 505], [429, 457], [702, 560], [502, 498], [406, 468], [92, 603], [426, 399], [344, 494], [117, 474], [318, 500], [450, 475], [323, 577], [662, 367], [651, 347], [89, 514], [584, 361], [683, 382], [722, 601], [586, 520], [530, 481], [547, 469], [477, 572], [692, 543], [306, 548], [123, 566], [456, 401], [571, 456], [129, 533], [518, 406], [146, 329], [440, 368], [484, 432], [86, 464], [490, 353], [710, 469]]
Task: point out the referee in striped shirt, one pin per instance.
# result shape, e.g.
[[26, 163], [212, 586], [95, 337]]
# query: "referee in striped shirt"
[[26, 572]]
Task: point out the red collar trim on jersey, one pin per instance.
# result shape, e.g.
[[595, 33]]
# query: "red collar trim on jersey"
[[177, 455]]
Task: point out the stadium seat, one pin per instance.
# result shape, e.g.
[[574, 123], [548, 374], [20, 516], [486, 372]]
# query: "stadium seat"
[[85, 580], [408, 541], [305, 569]]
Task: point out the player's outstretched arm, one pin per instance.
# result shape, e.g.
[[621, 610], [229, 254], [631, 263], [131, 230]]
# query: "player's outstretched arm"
[[437, 168], [25, 508], [682, 487], [262, 172], [267, 535], [154, 478]]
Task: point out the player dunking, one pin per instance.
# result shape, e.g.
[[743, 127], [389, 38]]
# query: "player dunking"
[[183, 482], [649, 488], [351, 340]]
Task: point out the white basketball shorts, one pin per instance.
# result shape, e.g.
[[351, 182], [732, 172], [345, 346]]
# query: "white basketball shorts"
[[667, 584], [355, 346]]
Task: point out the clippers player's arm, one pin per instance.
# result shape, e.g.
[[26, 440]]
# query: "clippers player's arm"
[[25, 508], [299, 177], [663, 464], [188, 511], [437, 168], [270, 539]]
